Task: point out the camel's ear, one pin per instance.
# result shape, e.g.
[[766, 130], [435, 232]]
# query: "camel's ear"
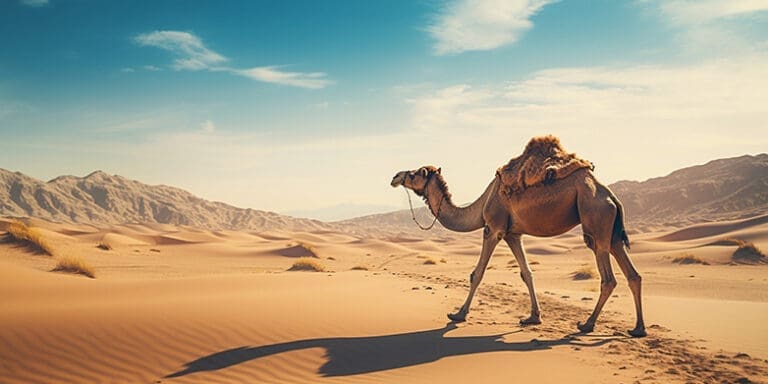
[[439, 170], [423, 172]]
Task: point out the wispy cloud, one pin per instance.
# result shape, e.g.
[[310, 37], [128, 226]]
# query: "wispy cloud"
[[681, 114], [151, 68], [192, 55], [34, 3], [477, 25], [713, 27], [704, 11], [314, 80]]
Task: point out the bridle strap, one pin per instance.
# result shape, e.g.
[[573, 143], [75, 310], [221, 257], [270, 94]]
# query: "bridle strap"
[[410, 204]]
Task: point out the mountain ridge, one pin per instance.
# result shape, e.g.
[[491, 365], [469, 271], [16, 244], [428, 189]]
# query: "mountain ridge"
[[100, 198], [720, 189]]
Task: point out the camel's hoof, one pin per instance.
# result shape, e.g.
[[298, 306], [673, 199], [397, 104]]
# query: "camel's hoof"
[[585, 328], [531, 321], [637, 332], [457, 317]]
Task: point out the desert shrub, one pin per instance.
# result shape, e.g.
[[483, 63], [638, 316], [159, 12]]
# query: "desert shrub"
[[307, 264], [32, 237], [104, 246], [430, 261], [76, 265], [687, 258], [748, 253], [585, 273]]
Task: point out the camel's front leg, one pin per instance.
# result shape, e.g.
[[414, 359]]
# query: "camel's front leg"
[[516, 245], [490, 240]]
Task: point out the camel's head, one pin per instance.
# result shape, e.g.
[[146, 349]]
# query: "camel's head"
[[415, 180]]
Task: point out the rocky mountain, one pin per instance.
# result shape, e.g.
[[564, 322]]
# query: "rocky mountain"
[[718, 190], [102, 198]]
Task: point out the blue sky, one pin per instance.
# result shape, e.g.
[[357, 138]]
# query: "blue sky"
[[310, 107]]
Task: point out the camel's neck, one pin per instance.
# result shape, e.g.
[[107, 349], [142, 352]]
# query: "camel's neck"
[[460, 219]]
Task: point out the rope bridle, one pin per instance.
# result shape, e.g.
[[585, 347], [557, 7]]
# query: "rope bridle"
[[413, 214]]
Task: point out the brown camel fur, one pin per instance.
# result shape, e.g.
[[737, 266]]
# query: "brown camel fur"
[[543, 161], [538, 210]]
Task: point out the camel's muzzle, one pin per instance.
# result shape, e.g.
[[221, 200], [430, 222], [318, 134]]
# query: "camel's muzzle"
[[399, 179]]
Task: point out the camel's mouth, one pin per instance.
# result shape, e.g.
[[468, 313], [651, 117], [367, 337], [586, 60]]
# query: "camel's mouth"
[[399, 179]]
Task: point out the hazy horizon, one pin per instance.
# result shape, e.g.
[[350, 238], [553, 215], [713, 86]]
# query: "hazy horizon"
[[307, 106]]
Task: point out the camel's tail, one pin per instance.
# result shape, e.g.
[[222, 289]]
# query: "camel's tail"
[[619, 232]]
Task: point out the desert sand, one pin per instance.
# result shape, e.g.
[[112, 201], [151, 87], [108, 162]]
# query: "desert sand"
[[179, 304]]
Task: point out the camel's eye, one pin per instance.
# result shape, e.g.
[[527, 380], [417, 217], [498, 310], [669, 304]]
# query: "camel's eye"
[[410, 175]]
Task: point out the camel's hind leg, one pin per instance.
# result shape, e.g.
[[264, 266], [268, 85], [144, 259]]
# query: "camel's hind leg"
[[607, 284], [516, 245], [635, 281], [490, 240]]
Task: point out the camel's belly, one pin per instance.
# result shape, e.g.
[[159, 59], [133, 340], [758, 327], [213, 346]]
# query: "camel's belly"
[[545, 216]]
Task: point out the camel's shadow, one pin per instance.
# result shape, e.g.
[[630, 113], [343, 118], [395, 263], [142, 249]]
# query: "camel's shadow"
[[356, 355]]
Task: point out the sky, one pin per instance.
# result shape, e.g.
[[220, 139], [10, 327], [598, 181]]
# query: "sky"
[[309, 108]]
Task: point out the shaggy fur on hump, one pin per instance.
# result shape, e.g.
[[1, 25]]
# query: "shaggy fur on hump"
[[543, 161]]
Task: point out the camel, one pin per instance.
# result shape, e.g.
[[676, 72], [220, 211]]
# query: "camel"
[[543, 210]]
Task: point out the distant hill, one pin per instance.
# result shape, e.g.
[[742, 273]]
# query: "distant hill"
[[102, 198], [718, 190], [721, 189]]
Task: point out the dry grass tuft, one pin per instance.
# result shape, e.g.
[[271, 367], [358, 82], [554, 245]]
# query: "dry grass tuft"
[[430, 261], [32, 237], [76, 265], [104, 246], [443, 260], [586, 273], [307, 264], [359, 268], [748, 253], [687, 258]]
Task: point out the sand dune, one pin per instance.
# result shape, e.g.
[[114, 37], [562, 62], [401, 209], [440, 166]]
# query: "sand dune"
[[713, 229], [179, 304]]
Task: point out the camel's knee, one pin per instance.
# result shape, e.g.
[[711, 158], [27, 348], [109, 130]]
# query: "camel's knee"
[[634, 281], [526, 275], [472, 277], [607, 285], [589, 241]]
